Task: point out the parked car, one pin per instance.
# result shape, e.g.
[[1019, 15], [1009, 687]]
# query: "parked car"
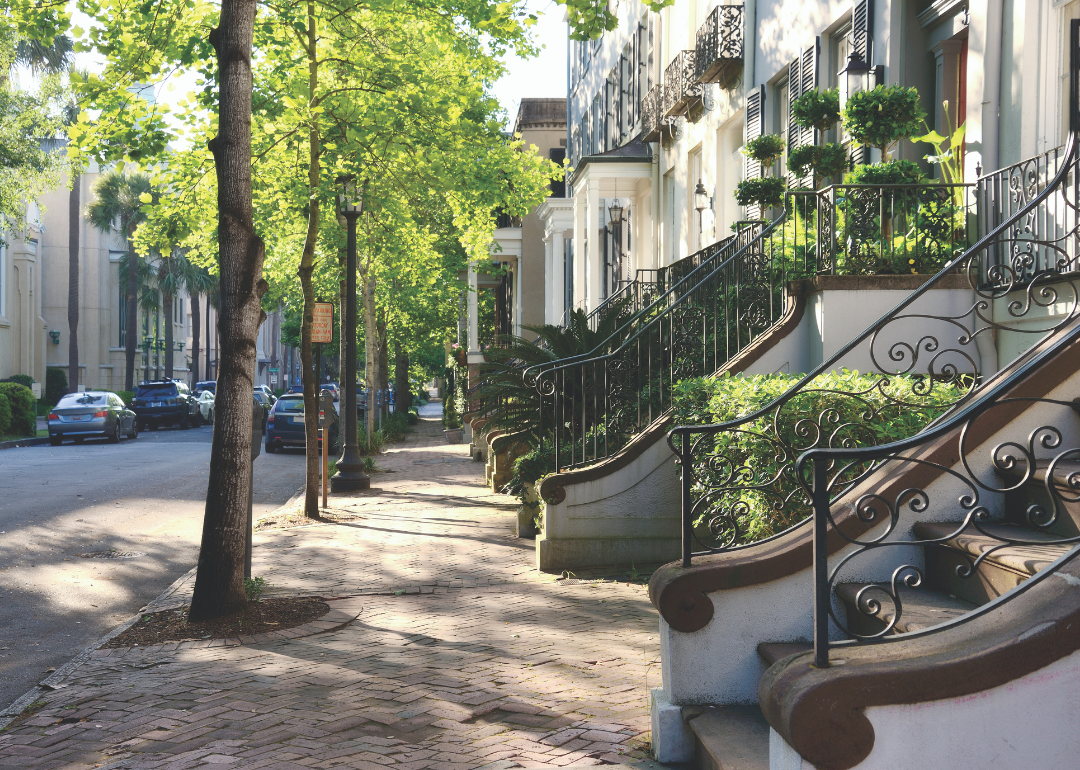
[[165, 402], [203, 385], [206, 406], [92, 414], [266, 389], [332, 387], [267, 401], [286, 427]]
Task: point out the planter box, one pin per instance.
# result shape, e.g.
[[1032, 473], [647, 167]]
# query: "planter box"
[[526, 517], [453, 436]]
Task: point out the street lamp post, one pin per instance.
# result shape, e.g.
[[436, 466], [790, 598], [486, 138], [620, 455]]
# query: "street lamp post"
[[350, 468], [615, 214]]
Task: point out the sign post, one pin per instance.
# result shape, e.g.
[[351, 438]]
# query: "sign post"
[[322, 331]]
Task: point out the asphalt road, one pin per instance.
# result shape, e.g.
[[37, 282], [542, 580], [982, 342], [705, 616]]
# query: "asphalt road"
[[57, 503]]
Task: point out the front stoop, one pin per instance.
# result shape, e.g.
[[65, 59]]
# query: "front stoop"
[[588, 553], [731, 738]]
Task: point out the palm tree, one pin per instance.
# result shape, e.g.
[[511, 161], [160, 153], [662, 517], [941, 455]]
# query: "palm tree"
[[199, 282], [117, 200]]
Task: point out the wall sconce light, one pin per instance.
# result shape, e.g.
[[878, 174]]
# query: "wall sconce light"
[[55, 337]]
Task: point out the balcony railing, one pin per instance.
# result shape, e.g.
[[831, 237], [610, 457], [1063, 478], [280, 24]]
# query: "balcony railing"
[[654, 126], [719, 46], [680, 88]]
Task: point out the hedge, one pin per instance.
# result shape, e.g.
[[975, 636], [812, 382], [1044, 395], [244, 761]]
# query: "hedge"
[[5, 414], [23, 408], [56, 384]]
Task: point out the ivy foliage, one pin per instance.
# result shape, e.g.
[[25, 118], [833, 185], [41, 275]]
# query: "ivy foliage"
[[884, 115], [834, 408]]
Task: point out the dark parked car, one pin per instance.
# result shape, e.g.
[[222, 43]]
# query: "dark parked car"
[[165, 402], [210, 385], [285, 426], [267, 402], [94, 414]]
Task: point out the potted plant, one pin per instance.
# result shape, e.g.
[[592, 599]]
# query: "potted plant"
[[817, 109], [765, 149], [451, 422]]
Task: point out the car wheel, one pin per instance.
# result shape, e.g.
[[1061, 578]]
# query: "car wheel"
[[198, 418], [115, 437], [56, 440], [211, 416], [134, 433], [185, 422], [270, 448]]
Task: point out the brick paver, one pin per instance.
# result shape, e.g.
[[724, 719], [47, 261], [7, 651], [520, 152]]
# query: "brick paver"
[[463, 656]]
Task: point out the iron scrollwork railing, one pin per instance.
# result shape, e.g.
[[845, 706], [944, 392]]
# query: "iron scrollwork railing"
[[739, 484], [680, 88], [635, 296], [719, 45], [654, 125]]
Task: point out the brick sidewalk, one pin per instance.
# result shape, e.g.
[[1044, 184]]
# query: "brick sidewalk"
[[463, 655]]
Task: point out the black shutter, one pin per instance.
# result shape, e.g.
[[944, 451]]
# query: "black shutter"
[[862, 34], [802, 78], [755, 127]]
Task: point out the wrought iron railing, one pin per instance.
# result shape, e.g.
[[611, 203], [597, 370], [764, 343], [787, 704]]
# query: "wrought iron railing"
[[719, 49], [635, 296], [739, 479], [593, 405], [654, 125], [680, 88]]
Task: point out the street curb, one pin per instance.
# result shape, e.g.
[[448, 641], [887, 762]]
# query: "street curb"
[[21, 442]]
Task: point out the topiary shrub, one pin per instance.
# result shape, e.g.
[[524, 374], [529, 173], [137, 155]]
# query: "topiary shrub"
[[126, 396], [5, 414], [765, 149], [883, 116], [23, 411], [817, 109], [824, 161], [893, 172], [56, 384], [764, 191]]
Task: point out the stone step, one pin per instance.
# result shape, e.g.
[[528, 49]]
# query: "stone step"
[[771, 652], [731, 738], [1066, 482], [919, 608], [1000, 572]]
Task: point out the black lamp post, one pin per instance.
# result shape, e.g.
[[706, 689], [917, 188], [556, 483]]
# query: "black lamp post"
[[701, 202], [350, 468], [615, 214]]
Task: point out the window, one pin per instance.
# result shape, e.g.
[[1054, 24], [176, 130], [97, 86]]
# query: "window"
[[669, 223], [695, 167]]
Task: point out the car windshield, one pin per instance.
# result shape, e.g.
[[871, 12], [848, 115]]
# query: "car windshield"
[[294, 405], [83, 399], [156, 391], [260, 396]]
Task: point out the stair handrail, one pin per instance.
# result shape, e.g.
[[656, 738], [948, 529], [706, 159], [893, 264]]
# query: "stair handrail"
[[530, 374], [545, 375], [685, 440]]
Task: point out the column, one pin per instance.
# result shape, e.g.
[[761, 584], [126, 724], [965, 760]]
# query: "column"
[[558, 276], [474, 328]]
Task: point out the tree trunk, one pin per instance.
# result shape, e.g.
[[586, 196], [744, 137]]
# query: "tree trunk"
[[196, 327], [307, 267], [131, 332], [370, 350], [219, 582], [74, 225], [402, 397], [169, 308]]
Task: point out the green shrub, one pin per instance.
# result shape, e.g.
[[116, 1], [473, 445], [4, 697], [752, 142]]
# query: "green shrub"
[[892, 172], [23, 379], [56, 384], [414, 418], [370, 443], [765, 149], [126, 396], [764, 191], [824, 161], [817, 109], [750, 472], [883, 116], [5, 414], [23, 408], [395, 425], [530, 468]]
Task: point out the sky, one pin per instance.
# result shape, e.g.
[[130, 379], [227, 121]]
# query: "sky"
[[543, 75]]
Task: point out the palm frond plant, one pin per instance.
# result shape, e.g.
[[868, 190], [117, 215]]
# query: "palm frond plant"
[[508, 402]]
